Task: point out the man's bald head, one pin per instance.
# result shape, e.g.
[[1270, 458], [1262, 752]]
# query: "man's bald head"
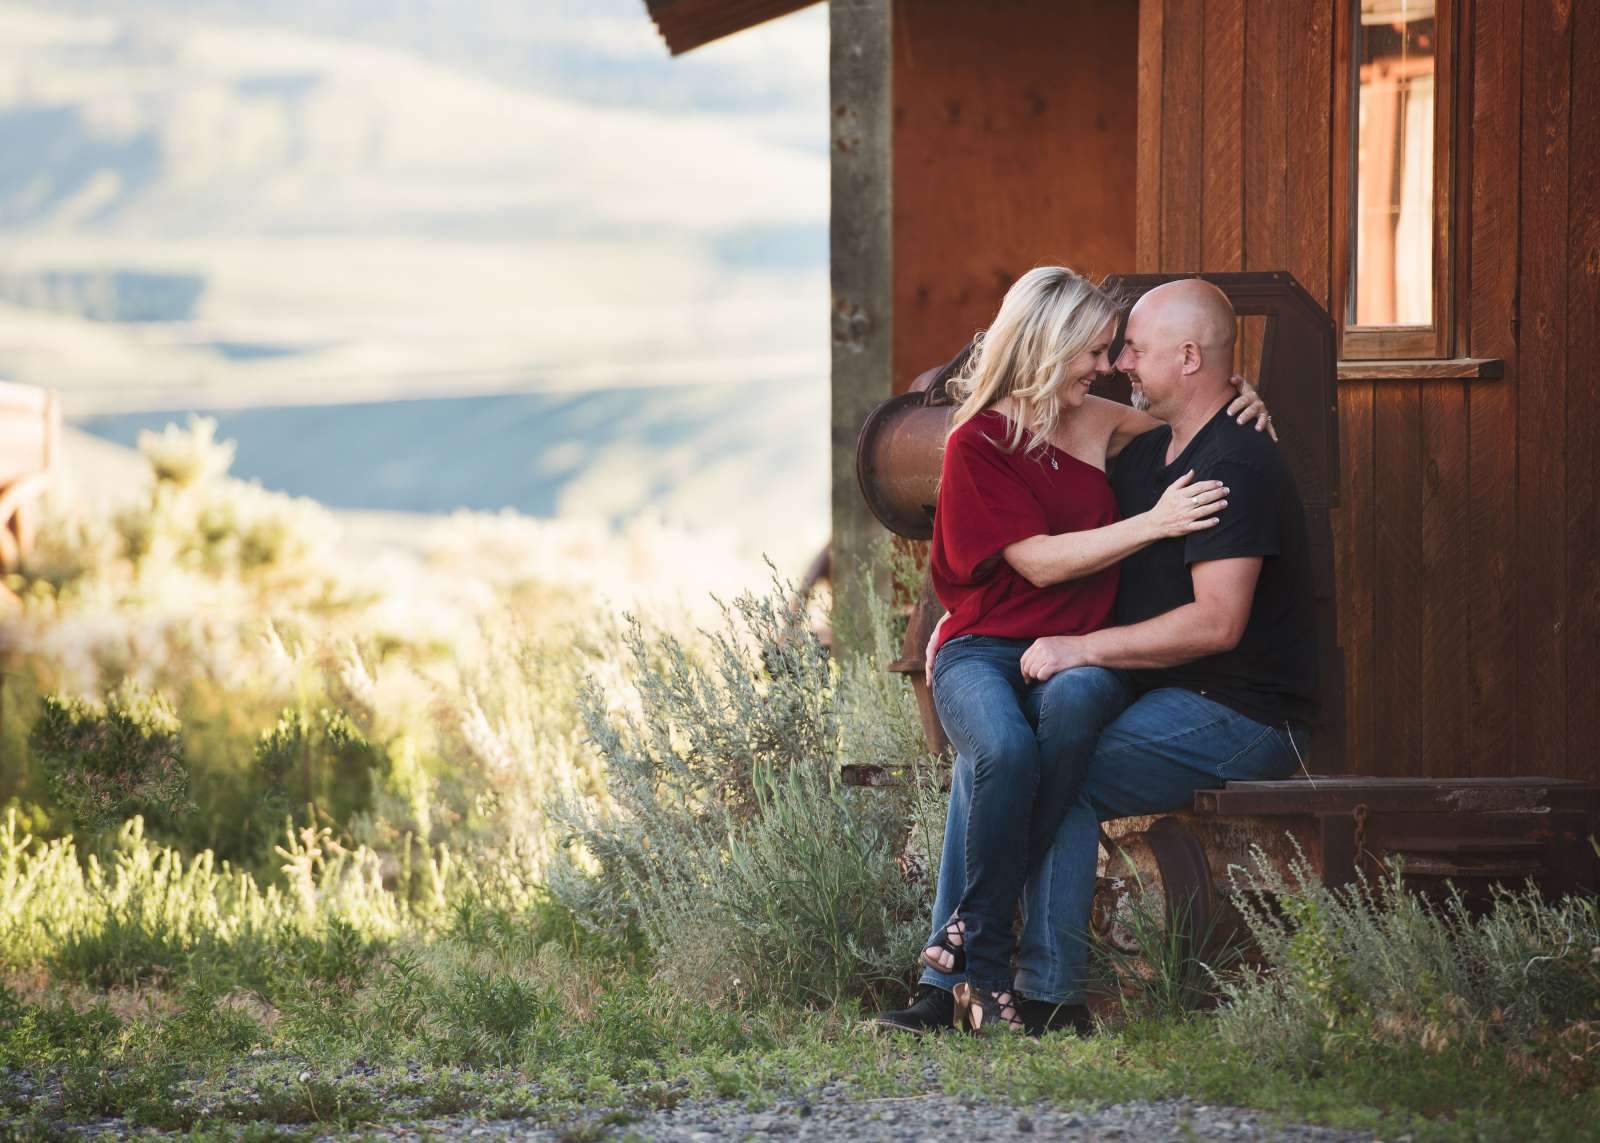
[[1178, 346], [1191, 309]]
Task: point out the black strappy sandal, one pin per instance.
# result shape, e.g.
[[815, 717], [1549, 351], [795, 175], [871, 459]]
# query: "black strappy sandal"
[[954, 930], [980, 1010]]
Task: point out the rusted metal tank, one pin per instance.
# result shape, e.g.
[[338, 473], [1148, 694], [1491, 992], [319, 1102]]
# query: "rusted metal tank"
[[900, 449], [898, 456]]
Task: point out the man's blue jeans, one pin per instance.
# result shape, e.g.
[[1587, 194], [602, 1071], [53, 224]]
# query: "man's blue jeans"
[[1152, 758], [1028, 746]]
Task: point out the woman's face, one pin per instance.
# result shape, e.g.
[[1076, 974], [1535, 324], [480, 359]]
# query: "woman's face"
[[1091, 363]]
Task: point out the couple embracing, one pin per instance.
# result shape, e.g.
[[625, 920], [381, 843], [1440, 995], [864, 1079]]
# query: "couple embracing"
[[1129, 619]]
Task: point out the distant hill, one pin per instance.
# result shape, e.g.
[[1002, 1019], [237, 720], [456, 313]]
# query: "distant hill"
[[701, 456]]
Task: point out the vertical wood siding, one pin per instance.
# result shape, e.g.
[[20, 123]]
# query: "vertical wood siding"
[[1014, 129], [1467, 541], [1496, 145], [1583, 394]]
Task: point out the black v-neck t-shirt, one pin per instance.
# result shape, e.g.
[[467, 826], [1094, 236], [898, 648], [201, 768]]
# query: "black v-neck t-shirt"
[[1271, 676]]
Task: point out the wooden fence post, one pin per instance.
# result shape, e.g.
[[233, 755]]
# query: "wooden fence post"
[[861, 93]]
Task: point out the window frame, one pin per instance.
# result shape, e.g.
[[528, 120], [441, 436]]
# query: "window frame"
[[1451, 101]]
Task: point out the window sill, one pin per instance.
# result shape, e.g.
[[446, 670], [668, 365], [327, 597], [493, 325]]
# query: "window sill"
[[1443, 369]]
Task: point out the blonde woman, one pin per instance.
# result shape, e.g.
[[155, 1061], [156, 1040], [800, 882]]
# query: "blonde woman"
[[1026, 544]]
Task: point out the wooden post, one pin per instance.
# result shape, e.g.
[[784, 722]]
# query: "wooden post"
[[860, 245]]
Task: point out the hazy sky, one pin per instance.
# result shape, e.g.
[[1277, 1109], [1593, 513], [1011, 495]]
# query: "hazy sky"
[[224, 204], [467, 196]]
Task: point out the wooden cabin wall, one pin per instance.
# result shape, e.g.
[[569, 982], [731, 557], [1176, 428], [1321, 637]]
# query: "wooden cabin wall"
[[1014, 147], [1467, 541]]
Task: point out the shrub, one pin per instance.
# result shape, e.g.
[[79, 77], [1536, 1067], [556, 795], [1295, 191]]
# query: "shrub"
[[108, 761], [324, 759], [730, 847], [1344, 967]]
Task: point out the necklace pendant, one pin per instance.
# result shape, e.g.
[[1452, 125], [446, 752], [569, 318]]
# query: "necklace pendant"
[[1054, 463]]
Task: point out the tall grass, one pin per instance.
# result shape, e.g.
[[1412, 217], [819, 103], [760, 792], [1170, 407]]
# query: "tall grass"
[[148, 908]]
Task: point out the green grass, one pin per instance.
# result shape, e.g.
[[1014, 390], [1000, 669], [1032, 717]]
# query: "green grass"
[[632, 1050]]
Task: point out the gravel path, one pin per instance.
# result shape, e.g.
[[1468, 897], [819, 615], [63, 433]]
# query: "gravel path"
[[900, 1120], [939, 1116]]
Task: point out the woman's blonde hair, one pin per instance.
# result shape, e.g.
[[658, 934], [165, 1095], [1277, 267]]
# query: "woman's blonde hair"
[[1049, 316]]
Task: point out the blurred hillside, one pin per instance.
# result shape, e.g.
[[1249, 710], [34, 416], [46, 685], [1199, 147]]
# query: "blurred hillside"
[[221, 205]]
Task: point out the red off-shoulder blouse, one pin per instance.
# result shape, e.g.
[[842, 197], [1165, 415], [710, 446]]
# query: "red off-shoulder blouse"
[[990, 499]]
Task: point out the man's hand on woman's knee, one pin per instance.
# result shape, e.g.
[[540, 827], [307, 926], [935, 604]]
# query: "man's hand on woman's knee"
[[1051, 655]]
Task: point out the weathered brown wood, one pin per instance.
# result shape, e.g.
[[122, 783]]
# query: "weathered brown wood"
[[860, 84], [1266, 142], [1310, 87], [30, 431], [1397, 578], [1222, 127], [1354, 548], [1343, 793], [1014, 146], [1151, 100], [1583, 397], [1541, 410], [687, 24], [1492, 409], [1447, 82], [1461, 228], [1375, 343], [1446, 693], [1182, 130], [1355, 535], [1441, 369], [1340, 205]]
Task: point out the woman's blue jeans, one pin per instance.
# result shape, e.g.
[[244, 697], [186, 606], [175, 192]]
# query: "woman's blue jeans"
[[1151, 758], [1028, 747]]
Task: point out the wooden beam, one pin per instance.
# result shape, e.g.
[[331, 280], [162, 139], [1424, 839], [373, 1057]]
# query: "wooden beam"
[[687, 24], [1540, 567], [1492, 258], [1426, 369], [1583, 391], [861, 90], [1148, 189]]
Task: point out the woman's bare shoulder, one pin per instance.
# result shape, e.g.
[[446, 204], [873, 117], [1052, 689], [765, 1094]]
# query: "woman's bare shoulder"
[[1106, 412]]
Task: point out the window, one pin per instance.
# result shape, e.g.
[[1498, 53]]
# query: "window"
[[1397, 296]]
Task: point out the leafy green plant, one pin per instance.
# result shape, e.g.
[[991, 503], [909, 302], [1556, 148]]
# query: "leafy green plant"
[[1173, 967], [107, 761], [1372, 962], [727, 843], [322, 759]]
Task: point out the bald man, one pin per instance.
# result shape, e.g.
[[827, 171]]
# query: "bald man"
[[1215, 645]]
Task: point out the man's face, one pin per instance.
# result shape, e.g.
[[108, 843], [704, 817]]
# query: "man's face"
[[1154, 368]]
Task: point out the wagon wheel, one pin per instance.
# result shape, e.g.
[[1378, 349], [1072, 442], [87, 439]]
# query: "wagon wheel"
[[1191, 895]]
